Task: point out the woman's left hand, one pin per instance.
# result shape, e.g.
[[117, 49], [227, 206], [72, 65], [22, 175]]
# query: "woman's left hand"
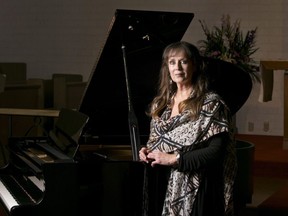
[[161, 158]]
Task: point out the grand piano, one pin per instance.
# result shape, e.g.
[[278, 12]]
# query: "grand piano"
[[102, 173]]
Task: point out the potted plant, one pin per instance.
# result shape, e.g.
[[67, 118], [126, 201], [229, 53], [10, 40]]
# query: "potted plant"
[[228, 43]]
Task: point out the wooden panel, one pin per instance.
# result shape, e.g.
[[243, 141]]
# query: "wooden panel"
[[27, 95], [2, 82], [68, 90], [285, 145], [267, 69], [15, 71], [74, 93]]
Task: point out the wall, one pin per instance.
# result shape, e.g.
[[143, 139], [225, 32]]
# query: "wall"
[[64, 36]]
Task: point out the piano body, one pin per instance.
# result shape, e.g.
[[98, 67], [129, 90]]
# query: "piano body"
[[123, 81], [41, 177]]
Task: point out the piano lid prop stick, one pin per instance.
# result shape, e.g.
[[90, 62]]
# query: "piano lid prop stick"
[[132, 119]]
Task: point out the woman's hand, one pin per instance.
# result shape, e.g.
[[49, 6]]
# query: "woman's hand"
[[161, 158], [143, 154]]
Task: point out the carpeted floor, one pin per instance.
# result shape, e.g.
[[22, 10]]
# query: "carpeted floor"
[[276, 204], [270, 177], [270, 159]]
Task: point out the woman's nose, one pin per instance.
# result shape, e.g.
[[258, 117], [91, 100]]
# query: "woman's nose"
[[179, 65]]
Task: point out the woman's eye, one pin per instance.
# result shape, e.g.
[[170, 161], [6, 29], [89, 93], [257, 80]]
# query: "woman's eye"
[[171, 62]]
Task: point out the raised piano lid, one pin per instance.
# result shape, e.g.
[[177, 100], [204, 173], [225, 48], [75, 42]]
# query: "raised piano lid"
[[144, 34]]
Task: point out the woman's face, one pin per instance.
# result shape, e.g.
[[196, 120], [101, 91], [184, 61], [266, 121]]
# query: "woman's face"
[[180, 68]]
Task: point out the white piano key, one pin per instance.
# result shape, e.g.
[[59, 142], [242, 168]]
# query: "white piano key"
[[6, 196]]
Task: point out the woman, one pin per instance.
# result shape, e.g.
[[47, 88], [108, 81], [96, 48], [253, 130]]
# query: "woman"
[[191, 132]]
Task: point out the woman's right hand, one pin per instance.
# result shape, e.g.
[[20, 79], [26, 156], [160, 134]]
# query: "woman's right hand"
[[143, 154]]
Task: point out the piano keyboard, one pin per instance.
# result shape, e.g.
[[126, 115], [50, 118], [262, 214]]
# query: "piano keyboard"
[[37, 182], [25, 190], [7, 197]]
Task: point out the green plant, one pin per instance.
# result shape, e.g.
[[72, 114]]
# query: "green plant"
[[228, 43]]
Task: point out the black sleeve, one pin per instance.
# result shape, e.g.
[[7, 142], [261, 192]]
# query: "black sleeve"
[[213, 152]]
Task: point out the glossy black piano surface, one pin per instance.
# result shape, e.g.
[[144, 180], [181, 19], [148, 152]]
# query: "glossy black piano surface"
[[144, 34]]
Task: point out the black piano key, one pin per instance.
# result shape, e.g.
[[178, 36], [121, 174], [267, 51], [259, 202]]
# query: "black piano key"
[[21, 189]]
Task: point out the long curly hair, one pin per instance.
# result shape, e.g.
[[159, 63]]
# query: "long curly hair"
[[167, 87]]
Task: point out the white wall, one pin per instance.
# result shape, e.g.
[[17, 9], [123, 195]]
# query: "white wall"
[[64, 36]]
